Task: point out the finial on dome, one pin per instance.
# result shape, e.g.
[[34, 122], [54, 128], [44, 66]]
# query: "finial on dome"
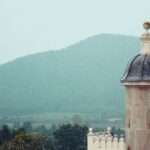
[[145, 39], [90, 130], [146, 25]]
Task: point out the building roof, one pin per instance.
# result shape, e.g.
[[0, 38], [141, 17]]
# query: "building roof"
[[138, 69]]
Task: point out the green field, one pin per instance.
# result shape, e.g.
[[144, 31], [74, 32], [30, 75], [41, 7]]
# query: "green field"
[[57, 118]]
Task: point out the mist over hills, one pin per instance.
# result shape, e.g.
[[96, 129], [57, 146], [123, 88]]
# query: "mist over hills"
[[82, 78]]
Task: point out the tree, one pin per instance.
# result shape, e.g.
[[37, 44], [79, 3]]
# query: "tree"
[[5, 133], [118, 131], [50, 144], [27, 126], [41, 129], [71, 137], [77, 119]]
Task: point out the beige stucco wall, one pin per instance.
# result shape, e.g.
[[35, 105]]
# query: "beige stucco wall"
[[104, 142], [137, 116]]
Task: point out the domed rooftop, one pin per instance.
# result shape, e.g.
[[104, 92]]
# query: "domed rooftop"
[[138, 69]]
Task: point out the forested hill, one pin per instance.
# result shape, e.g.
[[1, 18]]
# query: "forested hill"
[[82, 78]]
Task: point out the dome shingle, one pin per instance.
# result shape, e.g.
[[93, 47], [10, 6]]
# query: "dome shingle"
[[138, 69]]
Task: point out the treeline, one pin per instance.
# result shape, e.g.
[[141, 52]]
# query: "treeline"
[[63, 137]]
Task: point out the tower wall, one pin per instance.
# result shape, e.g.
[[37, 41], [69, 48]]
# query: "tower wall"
[[137, 116]]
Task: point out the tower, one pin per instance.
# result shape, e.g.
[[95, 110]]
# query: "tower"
[[137, 84]]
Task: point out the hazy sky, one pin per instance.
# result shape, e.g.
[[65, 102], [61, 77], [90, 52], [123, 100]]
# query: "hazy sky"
[[30, 26]]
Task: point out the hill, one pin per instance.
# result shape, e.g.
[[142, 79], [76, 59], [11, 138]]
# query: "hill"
[[82, 78]]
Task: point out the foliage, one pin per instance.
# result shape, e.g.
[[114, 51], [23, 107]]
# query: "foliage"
[[22, 140], [27, 126], [71, 137], [118, 131], [64, 137], [41, 129], [5, 134]]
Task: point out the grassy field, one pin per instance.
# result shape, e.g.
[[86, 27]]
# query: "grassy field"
[[57, 118]]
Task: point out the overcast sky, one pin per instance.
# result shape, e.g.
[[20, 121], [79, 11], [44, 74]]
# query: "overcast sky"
[[31, 26]]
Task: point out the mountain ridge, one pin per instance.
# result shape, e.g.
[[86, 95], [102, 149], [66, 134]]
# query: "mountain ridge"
[[82, 78], [102, 34]]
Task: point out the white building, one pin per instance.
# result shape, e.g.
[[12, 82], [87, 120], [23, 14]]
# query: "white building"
[[104, 141]]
